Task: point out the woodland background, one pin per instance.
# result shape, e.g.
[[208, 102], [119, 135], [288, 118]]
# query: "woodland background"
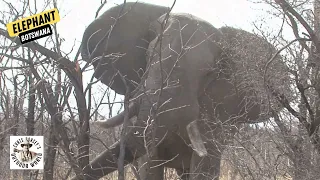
[[43, 92]]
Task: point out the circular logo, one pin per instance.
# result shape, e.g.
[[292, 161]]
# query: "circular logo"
[[27, 153]]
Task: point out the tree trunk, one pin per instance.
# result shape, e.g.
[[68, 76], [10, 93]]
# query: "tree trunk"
[[53, 139], [31, 107]]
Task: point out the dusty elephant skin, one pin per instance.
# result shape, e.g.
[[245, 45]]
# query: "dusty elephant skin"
[[126, 45], [209, 75]]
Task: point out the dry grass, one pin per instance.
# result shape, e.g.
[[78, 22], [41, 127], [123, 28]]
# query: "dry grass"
[[227, 173]]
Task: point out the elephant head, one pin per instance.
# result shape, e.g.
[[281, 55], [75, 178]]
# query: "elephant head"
[[125, 33], [195, 73]]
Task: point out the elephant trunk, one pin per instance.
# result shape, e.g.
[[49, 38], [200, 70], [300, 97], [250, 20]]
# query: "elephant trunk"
[[106, 162], [135, 139]]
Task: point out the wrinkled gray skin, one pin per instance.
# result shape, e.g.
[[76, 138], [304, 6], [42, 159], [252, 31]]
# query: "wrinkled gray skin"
[[129, 38], [206, 77]]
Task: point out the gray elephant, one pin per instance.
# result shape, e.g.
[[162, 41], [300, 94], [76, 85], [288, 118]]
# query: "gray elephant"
[[196, 73]]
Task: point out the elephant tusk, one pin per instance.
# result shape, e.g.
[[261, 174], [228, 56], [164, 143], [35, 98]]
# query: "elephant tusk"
[[109, 123], [196, 140], [118, 119]]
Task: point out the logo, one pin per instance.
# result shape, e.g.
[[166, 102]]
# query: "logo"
[[34, 27], [26, 152]]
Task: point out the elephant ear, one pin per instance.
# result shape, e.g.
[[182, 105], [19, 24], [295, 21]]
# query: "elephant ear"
[[249, 54], [125, 44], [85, 49]]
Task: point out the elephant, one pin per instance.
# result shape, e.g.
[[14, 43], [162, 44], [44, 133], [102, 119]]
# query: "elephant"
[[196, 74]]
